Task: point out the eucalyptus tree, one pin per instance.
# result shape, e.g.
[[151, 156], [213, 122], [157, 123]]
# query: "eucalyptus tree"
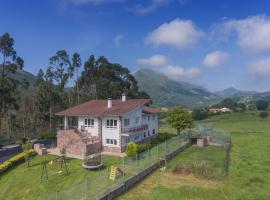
[[10, 63], [76, 63]]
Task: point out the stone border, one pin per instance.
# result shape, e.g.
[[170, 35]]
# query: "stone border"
[[130, 182]]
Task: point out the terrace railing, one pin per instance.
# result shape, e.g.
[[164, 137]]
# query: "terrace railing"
[[135, 128]]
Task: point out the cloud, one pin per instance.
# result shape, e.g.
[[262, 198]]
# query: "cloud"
[[253, 33], [260, 68], [161, 64], [142, 9], [175, 72], [154, 5], [118, 39], [215, 59], [94, 2], [155, 60], [177, 33]]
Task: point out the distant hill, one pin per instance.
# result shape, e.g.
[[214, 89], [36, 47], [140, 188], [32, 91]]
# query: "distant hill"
[[166, 92], [24, 75], [232, 91]]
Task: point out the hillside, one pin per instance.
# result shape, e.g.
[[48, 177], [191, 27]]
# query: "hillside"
[[166, 92], [233, 91]]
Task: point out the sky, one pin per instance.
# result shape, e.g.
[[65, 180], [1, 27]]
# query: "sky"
[[215, 44]]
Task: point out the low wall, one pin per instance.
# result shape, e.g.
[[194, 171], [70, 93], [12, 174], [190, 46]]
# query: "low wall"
[[141, 175]]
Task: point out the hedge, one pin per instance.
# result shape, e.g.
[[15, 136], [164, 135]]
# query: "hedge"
[[19, 158]]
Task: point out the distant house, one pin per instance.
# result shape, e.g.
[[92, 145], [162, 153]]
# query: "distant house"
[[218, 110], [107, 125], [225, 109], [214, 110]]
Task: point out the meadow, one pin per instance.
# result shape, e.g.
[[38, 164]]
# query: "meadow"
[[249, 170]]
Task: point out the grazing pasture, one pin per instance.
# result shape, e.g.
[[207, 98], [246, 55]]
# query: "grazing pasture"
[[249, 170]]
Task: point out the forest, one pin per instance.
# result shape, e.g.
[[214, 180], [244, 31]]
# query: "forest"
[[28, 112]]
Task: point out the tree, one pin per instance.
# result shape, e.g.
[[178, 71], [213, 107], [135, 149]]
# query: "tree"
[[179, 118], [199, 113], [8, 85], [262, 105], [61, 68], [102, 79], [263, 114], [76, 64]]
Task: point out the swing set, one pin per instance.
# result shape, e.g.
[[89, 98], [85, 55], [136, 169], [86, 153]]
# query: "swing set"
[[63, 165]]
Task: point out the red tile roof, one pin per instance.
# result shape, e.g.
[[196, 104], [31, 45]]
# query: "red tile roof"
[[97, 108], [147, 109]]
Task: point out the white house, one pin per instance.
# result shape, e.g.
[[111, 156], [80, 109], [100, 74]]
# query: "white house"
[[112, 123]]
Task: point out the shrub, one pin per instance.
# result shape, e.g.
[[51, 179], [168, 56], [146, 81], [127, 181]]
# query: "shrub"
[[132, 149], [262, 105], [46, 135], [199, 114], [263, 114], [19, 158], [143, 147]]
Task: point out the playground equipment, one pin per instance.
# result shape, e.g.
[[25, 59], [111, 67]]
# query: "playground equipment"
[[114, 171], [60, 160], [93, 162]]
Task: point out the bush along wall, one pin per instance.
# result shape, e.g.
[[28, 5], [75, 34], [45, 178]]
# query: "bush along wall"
[[19, 158]]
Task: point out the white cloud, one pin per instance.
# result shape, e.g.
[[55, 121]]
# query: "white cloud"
[[118, 39], [260, 67], [155, 60], [253, 33], [176, 72], [161, 64], [95, 2], [215, 59], [154, 5], [177, 33]]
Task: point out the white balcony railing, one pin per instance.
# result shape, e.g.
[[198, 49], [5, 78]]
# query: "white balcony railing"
[[135, 128]]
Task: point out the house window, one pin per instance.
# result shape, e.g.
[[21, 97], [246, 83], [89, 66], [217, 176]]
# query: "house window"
[[148, 133], [148, 118], [153, 117], [88, 122], [153, 132], [137, 119], [144, 134], [111, 141], [111, 123], [126, 122]]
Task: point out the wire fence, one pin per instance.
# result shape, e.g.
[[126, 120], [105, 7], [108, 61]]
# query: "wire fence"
[[98, 184]]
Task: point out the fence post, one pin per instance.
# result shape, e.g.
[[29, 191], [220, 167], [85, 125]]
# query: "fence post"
[[57, 194], [158, 150], [85, 187], [137, 163]]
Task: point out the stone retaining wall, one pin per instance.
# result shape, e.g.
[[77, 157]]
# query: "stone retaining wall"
[[141, 175]]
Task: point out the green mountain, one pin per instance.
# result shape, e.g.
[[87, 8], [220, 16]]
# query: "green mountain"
[[22, 75], [231, 91], [166, 92]]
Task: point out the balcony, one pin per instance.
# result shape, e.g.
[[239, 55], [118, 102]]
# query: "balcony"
[[131, 130]]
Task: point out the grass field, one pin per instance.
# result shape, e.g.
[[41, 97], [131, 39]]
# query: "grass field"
[[249, 172], [24, 182]]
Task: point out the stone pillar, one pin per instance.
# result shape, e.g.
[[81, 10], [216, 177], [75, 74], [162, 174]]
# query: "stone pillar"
[[66, 123]]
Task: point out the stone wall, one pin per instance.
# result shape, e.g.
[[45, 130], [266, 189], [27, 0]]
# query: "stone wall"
[[75, 144]]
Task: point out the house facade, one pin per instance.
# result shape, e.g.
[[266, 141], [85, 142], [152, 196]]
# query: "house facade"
[[111, 123]]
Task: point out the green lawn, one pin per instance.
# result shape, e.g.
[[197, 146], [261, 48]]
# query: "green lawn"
[[22, 182], [249, 172]]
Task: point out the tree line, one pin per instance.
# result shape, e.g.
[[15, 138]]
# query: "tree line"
[[260, 105], [26, 113]]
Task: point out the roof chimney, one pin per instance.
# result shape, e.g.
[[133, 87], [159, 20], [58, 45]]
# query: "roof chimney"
[[109, 104], [124, 97]]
